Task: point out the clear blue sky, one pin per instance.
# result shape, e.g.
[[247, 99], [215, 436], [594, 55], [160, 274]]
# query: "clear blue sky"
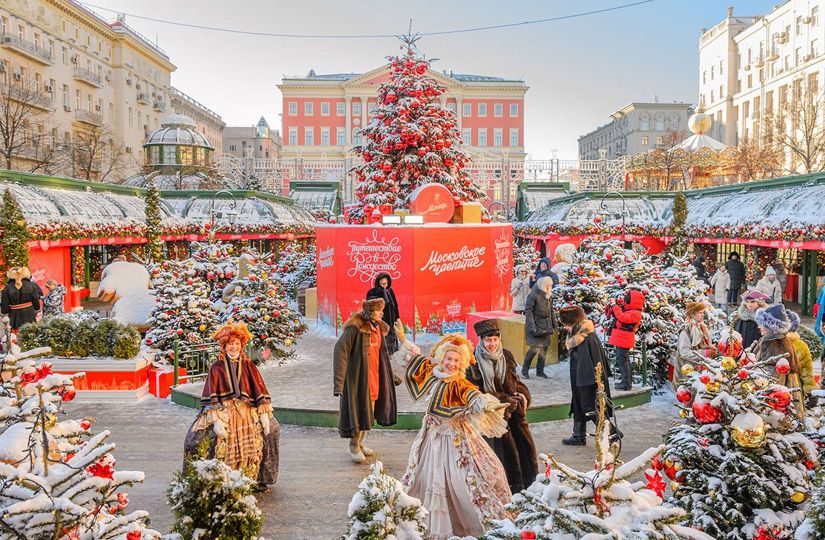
[[579, 71]]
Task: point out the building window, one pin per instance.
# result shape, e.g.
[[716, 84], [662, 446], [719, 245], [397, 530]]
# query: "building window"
[[309, 136], [645, 140], [644, 124], [130, 115], [308, 108], [356, 108], [660, 139], [65, 94], [370, 109], [482, 137], [231, 147], [498, 110], [340, 109], [514, 137], [451, 106], [325, 136], [293, 108], [721, 68], [814, 48], [467, 136], [814, 15], [65, 56], [514, 110], [482, 109], [467, 110], [799, 25], [325, 108], [293, 136], [660, 123], [498, 137], [340, 136], [356, 135]]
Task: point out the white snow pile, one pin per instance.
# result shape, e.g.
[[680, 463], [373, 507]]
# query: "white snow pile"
[[128, 285], [381, 510]]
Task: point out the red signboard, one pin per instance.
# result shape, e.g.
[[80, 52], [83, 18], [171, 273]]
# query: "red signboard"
[[434, 202], [51, 264], [439, 273]]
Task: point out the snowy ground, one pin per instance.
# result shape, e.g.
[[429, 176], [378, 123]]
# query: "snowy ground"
[[317, 479]]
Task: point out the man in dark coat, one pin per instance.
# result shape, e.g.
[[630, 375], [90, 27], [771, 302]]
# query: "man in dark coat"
[[495, 373], [539, 325], [586, 352], [362, 377], [736, 270], [543, 270], [20, 299], [383, 289]]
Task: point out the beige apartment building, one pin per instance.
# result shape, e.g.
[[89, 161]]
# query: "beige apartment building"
[[258, 141], [86, 78], [749, 66]]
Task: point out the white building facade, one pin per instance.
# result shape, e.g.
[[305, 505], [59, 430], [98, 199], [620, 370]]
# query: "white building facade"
[[749, 66]]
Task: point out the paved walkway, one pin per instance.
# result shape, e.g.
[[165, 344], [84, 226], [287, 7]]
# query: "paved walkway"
[[317, 478]]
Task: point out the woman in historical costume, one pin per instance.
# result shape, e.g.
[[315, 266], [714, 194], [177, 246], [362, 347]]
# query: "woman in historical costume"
[[236, 415], [454, 473], [20, 299], [694, 344], [494, 372]]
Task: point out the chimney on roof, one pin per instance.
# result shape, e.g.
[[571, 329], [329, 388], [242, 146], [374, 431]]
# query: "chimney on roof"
[[730, 11], [311, 73]]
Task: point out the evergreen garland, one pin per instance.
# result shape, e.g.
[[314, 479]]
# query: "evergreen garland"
[[679, 245], [154, 247], [14, 234]]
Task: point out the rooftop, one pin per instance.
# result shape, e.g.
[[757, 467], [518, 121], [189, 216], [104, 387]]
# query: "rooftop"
[[462, 77]]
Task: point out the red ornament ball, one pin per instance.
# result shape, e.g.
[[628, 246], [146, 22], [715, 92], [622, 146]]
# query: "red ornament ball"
[[742, 373], [704, 379], [783, 367], [180, 331], [68, 394], [684, 395], [134, 535], [527, 534], [597, 220], [705, 413], [85, 425]]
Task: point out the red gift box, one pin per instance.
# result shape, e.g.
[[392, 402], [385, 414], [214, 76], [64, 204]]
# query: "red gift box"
[[161, 380]]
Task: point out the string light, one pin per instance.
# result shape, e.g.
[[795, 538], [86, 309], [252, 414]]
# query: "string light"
[[373, 36]]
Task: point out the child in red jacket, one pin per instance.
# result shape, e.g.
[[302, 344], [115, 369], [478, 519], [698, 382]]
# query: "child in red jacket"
[[627, 315]]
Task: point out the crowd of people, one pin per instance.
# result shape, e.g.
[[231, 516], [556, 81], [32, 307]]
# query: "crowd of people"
[[22, 300]]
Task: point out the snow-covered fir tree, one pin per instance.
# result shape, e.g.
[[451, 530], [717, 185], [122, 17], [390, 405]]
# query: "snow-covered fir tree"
[[525, 254], [741, 462], [57, 478], [211, 501], [380, 510], [601, 503], [410, 140], [295, 266], [154, 246]]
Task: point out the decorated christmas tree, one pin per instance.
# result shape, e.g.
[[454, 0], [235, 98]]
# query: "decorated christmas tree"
[[14, 234], [295, 266], [740, 462], [210, 501], [602, 503], [381, 509], [526, 255], [678, 246], [57, 478], [411, 140], [154, 247]]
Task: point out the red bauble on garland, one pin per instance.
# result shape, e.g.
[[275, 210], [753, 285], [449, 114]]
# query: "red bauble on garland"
[[705, 413]]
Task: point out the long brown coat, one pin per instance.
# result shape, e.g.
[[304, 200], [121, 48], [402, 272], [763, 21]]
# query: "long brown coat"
[[351, 379], [515, 449]]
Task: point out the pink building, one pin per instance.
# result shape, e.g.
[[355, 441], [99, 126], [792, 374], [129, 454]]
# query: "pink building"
[[323, 114]]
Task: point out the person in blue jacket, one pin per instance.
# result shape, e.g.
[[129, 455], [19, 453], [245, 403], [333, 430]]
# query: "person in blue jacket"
[[819, 327]]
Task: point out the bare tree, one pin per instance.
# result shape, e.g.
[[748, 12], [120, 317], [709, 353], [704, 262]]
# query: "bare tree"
[[671, 159], [22, 107], [96, 155], [756, 161], [798, 129]]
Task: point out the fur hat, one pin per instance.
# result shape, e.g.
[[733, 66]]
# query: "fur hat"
[[753, 294], [372, 304], [694, 307], [571, 315], [231, 330], [794, 319], [769, 271], [774, 318], [18, 274], [487, 327], [457, 343]]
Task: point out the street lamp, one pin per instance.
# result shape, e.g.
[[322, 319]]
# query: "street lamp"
[[231, 215], [604, 210]]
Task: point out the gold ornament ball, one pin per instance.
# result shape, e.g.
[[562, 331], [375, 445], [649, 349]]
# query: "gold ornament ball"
[[747, 386], [712, 493], [677, 466], [798, 497], [683, 413], [674, 486], [728, 363], [748, 430], [287, 342], [713, 386], [202, 327], [51, 421], [687, 369], [267, 317]]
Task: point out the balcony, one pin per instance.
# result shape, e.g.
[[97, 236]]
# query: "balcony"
[[27, 48], [88, 76], [89, 118], [159, 106], [143, 98], [27, 96]]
